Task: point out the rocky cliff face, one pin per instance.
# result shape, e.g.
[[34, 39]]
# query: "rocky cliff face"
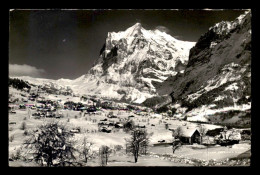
[[131, 62], [218, 74]]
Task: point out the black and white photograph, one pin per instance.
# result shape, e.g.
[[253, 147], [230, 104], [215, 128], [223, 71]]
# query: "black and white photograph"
[[129, 88]]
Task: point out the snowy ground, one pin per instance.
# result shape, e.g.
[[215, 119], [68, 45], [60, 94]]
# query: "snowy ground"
[[89, 129], [203, 153]]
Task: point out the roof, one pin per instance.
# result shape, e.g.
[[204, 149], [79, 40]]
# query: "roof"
[[188, 132]]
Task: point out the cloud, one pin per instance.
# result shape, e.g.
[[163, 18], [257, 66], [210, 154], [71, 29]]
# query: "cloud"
[[25, 70], [177, 37], [163, 29]]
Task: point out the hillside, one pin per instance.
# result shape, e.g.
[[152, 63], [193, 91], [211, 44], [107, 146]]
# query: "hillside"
[[218, 74]]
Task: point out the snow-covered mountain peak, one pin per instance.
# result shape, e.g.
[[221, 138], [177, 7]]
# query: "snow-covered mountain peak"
[[224, 27], [133, 31], [131, 61], [137, 31]]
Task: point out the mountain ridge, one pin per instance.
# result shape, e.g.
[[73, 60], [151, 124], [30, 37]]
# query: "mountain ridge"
[[217, 76]]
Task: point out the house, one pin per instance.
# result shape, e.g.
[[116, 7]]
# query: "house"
[[29, 105], [214, 132], [189, 135], [105, 129], [140, 126], [228, 137], [12, 106], [91, 109], [112, 116], [22, 106], [119, 125], [161, 141], [75, 131]]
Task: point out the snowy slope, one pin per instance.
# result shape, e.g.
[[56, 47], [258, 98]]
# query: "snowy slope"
[[61, 85], [218, 74]]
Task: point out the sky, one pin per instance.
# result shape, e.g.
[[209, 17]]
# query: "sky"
[[57, 44]]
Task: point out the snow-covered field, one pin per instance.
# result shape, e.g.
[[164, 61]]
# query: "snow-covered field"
[[205, 153], [155, 125]]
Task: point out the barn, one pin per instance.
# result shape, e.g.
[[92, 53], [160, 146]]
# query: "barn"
[[214, 132], [189, 135]]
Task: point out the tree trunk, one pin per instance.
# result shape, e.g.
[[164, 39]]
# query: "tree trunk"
[[135, 158], [86, 159]]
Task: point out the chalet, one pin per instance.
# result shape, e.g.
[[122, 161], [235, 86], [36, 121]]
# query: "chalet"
[[91, 109], [111, 124], [75, 131], [12, 112], [103, 123], [83, 108], [119, 125], [161, 141], [26, 89], [30, 105], [189, 135], [105, 129], [112, 116], [24, 100], [22, 106], [36, 114], [140, 126], [214, 132], [12, 107]]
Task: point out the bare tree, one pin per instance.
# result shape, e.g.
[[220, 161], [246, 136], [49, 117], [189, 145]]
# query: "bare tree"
[[104, 153], [145, 143], [86, 149], [51, 144], [176, 144], [232, 133], [139, 140], [177, 132], [202, 131]]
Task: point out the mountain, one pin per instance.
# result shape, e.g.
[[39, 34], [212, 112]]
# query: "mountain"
[[208, 81], [131, 62], [60, 86], [217, 79]]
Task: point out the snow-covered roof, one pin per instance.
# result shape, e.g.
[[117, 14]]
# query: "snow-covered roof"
[[187, 132]]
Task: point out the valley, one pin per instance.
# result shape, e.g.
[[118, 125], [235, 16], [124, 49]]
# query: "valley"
[[148, 100]]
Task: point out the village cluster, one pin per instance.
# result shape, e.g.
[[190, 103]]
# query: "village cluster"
[[110, 118]]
